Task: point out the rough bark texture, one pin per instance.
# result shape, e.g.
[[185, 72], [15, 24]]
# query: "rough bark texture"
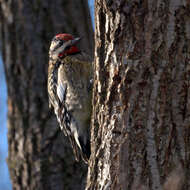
[[141, 116], [40, 157]]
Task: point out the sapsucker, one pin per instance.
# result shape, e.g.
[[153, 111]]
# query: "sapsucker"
[[70, 91]]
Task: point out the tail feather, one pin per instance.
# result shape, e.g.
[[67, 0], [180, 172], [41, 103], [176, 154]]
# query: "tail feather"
[[75, 148], [85, 150]]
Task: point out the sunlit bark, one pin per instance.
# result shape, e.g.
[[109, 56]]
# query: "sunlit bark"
[[141, 116], [40, 156]]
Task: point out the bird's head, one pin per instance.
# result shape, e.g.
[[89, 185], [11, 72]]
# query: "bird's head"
[[63, 45]]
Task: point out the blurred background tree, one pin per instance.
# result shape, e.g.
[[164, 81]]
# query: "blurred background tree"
[[39, 155]]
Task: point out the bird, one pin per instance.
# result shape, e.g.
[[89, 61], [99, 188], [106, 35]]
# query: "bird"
[[70, 77]]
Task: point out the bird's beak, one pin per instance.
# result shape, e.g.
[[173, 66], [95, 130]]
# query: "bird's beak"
[[76, 40], [71, 42]]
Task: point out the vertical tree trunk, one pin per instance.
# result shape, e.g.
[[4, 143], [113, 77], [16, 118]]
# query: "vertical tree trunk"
[[40, 157], [141, 115]]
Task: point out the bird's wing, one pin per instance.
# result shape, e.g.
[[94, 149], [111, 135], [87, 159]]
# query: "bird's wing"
[[61, 91], [65, 119]]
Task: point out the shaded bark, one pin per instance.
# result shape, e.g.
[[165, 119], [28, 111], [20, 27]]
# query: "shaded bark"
[[141, 115], [40, 157]]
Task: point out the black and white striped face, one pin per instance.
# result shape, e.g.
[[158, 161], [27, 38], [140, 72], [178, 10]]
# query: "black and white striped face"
[[63, 45], [56, 48], [55, 44]]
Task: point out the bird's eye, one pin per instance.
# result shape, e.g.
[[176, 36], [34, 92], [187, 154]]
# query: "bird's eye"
[[60, 43], [67, 48]]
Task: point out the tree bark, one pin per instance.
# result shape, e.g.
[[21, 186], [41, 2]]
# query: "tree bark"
[[40, 157], [141, 116]]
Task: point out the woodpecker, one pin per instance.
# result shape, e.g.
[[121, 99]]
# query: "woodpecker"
[[70, 91]]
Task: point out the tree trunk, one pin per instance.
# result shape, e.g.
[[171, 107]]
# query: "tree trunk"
[[40, 157], [141, 116]]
